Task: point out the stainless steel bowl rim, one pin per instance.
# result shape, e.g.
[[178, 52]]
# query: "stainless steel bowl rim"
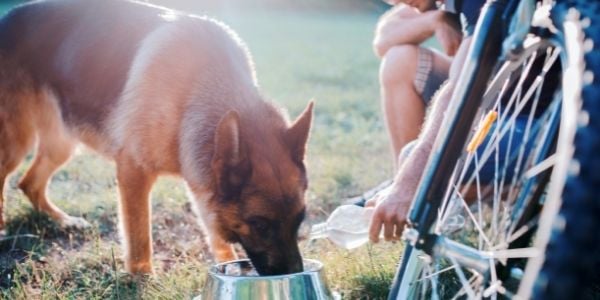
[[212, 271]]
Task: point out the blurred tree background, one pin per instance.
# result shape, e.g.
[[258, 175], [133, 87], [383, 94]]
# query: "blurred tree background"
[[375, 6]]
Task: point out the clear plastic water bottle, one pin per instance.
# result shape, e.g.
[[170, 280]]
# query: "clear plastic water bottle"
[[347, 226]]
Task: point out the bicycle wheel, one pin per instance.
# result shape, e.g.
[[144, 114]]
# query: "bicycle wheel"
[[505, 190], [569, 230]]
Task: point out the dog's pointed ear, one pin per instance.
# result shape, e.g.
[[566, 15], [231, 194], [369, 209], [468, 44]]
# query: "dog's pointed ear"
[[297, 134], [230, 161], [227, 139]]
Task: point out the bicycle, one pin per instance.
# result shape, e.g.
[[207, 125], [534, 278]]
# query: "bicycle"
[[525, 108]]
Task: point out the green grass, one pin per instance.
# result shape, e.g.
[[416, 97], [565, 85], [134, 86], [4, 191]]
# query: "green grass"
[[299, 56]]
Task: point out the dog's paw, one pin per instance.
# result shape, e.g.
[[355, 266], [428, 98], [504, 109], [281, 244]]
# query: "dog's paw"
[[75, 222], [140, 270]]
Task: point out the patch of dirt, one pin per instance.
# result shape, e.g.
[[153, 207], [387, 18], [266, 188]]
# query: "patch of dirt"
[[178, 237]]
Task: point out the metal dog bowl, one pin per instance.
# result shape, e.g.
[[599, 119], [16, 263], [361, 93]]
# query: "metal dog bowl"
[[238, 280]]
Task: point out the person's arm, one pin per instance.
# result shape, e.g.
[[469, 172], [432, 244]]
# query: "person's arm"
[[448, 33], [406, 26], [390, 213], [400, 11]]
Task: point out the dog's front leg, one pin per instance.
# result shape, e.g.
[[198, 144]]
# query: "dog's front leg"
[[135, 184], [220, 248]]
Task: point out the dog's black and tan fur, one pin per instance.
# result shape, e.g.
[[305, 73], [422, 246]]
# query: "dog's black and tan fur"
[[158, 92]]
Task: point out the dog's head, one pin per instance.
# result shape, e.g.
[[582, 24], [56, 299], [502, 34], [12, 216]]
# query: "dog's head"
[[261, 181]]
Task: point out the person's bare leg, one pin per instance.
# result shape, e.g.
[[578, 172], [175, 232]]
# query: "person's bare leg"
[[403, 106]]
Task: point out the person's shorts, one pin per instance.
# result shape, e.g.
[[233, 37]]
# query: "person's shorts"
[[430, 76]]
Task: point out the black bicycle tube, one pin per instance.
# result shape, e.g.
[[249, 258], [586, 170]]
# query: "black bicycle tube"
[[481, 59], [400, 272]]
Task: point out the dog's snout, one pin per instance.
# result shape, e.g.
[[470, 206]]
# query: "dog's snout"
[[291, 264], [285, 268], [295, 261], [268, 264], [297, 267]]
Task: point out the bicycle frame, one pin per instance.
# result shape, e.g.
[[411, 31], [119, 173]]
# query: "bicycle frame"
[[480, 62], [483, 54]]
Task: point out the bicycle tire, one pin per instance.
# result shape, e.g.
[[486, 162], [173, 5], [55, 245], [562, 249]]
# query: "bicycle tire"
[[570, 269]]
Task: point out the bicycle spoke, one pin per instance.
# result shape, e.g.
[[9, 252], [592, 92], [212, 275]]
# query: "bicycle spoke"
[[518, 90], [498, 104], [511, 120], [513, 253], [536, 87], [461, 275], [493, 290], [479, 200], [433, 282], [541, 167], [494, 280], [531, 139], [552, 115], [521, 231], [498, 195], [477, 225], [424, 283], [443, 211], [435, 274], [541, 79]]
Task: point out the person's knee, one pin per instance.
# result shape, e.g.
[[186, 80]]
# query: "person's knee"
[[398, 65]]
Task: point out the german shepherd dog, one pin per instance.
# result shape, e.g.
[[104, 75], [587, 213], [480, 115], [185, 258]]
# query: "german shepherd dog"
[[159, 92]]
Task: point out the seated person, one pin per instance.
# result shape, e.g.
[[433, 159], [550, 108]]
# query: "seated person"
[[409, 73], [410, 77]]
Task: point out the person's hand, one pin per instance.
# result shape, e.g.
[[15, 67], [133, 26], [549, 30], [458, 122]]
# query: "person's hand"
[[448, 33], [373, 201], [391, 209]]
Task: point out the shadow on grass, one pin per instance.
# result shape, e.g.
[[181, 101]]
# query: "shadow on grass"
[[29, 235], [376, 286], [39, 258]]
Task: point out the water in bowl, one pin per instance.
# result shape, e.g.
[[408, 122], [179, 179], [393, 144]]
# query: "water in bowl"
[[245, 268]]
